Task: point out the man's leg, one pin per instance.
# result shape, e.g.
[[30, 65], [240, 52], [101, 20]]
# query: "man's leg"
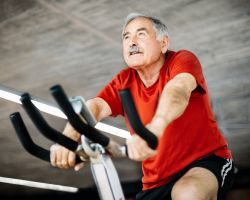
[[196, 184]]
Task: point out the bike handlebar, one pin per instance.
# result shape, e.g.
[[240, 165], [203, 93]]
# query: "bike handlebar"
[[134, 119], [74, 119], [26, 140], [44, 127]]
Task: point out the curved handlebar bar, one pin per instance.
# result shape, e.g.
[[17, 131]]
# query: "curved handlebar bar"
[[134, 119], [43, 126], [26, 140], [74, 119]]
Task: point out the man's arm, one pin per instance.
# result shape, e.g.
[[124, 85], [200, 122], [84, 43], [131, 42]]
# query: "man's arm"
[[62, 157], [173, 101], [100, 110]]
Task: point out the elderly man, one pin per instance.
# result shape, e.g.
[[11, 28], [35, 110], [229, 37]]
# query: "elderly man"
[[192, 160]]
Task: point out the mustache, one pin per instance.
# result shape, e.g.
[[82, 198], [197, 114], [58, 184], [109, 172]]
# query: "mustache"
[[134, 49]]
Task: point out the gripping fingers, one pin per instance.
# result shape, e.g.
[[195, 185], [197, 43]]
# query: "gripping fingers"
[[63, 163], [53, 155], [61, 157], [56, 151], [138, 149], [71, 159], [79, 166]]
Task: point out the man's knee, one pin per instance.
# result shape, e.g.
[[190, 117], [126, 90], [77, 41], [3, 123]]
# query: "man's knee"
[[192, 186], [186, 190]]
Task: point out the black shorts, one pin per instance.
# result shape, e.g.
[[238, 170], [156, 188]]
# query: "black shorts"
[[223, 169]]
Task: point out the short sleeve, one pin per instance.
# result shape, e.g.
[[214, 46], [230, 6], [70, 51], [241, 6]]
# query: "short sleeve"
[[186, 61], [110, 94]]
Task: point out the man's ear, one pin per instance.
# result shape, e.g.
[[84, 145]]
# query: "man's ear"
[[165, 44]]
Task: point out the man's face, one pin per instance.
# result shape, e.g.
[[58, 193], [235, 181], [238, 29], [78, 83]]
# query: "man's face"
[[140, 34]]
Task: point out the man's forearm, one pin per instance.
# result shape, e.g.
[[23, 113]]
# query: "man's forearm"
[[173, 102], [98, 107], [70, 132]]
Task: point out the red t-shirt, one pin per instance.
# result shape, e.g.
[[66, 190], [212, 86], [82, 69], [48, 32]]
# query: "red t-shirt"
[[190, 137]]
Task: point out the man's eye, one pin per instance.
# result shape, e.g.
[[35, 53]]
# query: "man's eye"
[[141, 34], [125, 37]]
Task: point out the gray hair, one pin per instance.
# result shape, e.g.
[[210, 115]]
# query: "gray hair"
[[160, 28]]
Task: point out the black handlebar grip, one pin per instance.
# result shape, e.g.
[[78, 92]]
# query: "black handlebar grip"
[[134, 119], [75, 120], [26, 140], [43, 126]]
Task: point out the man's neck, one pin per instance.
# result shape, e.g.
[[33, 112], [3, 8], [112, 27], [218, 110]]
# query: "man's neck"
[[150, 74]]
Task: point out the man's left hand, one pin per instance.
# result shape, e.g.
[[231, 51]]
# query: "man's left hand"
[[138, 148]]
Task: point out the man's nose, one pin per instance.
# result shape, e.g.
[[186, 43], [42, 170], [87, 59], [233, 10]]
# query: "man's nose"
[[133, 41]]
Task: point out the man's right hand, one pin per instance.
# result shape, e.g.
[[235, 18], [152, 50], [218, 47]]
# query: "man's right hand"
[[63, 158]]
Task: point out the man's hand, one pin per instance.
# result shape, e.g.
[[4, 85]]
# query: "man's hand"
[[63, 158], [60, 156], [138, 148]]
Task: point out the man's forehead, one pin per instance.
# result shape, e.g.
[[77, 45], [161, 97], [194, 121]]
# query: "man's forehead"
[[137, 23]]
